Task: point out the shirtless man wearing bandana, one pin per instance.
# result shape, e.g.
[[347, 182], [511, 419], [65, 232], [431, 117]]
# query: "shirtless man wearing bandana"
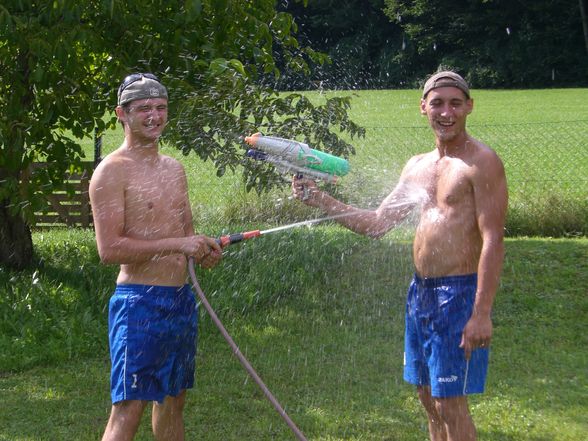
[[143, 223], [458, 253]]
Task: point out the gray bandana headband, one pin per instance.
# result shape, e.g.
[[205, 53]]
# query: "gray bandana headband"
[[446, 79], [142, 89]]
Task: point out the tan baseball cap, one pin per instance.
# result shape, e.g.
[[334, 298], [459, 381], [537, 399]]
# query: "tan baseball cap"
[[140, 86], [446, 78]]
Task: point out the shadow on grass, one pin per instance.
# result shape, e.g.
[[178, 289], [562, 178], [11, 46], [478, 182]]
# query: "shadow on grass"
[[56, 310]]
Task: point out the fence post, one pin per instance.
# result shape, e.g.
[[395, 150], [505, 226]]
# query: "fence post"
[[97, 147]]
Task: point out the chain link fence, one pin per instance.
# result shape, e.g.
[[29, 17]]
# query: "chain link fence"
[[546, 166]]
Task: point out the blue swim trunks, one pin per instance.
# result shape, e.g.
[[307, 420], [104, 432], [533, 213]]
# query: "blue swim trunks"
[[152, 334], [437, 310]]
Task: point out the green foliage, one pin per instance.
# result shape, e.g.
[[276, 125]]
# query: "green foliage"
[[396, 43], [51, 67], [61, 62], [237, 108], [356, 35], [495, 43]]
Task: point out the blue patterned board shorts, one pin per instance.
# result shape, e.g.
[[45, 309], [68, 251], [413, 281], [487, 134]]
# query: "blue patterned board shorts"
[[152, 336], [437, 310]]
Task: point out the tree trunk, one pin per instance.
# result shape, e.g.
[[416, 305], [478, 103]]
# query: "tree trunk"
[[16, 242], [584, 23]]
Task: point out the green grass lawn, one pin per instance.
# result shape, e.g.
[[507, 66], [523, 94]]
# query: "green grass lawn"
[[319, 314]]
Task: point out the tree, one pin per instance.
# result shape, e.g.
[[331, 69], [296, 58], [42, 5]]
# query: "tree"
[[498, 43], [584, 22], [357, 36], [61, 61], [50, 69]]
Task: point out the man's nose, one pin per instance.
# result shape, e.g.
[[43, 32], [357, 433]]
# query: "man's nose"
[[447, 109], [154, 113]]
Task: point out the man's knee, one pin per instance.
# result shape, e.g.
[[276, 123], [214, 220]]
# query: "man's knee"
[[452, 410], [168, 419], [128, 409], [124, 420], [173, 404]]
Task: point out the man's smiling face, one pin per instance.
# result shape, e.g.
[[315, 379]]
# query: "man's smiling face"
[[447, 109], [147, 118]]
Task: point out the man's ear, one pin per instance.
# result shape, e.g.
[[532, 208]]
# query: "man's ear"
[[423, 106], [470, 105], [120, 113]]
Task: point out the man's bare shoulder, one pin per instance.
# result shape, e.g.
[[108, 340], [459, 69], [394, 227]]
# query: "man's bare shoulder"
[[113, 160], [113, 164], [168, 161], [484, 156], [482, 150], [418, 158], [486, 162], [109, 178]]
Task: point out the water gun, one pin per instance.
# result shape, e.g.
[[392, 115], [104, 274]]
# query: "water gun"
[[294, 157]]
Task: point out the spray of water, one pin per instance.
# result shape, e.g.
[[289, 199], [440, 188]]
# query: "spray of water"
[[407, 199], [306, 223]]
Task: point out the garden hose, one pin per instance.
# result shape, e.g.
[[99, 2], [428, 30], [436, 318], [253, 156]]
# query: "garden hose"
[[299, 435]]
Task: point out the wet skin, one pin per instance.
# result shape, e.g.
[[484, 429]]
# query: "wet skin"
[[141, 208]]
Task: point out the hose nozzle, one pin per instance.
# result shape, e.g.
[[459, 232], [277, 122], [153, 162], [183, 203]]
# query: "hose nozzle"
[[230, 239]]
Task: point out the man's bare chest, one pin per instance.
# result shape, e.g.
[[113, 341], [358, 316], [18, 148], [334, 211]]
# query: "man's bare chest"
[[157, 191], [447, 181]]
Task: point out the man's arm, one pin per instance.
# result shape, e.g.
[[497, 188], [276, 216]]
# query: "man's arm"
[[373, 223], [491, 199], [356, 219]]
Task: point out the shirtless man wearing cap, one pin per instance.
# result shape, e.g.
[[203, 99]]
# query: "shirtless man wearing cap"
[[143, 223], [458, 252]]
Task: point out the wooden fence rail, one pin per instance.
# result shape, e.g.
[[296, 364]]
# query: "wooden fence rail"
[[65, 209]]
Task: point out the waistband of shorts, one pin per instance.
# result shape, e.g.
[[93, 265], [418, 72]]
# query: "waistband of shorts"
[[157, 290], [431, 282]]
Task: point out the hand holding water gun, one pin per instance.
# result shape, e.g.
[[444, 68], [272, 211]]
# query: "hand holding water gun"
[[297, 158], [307, 191]]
